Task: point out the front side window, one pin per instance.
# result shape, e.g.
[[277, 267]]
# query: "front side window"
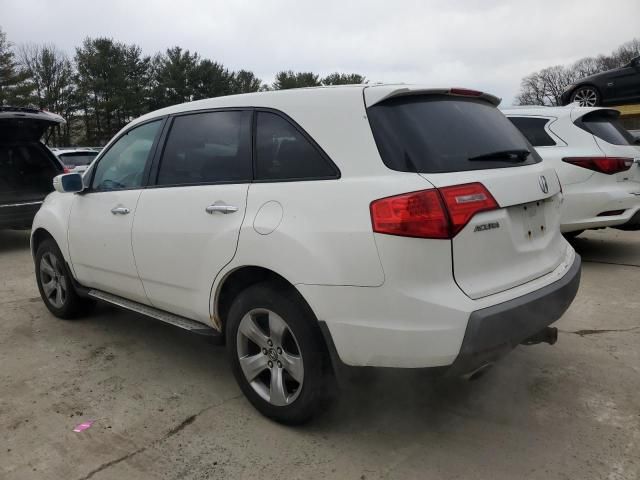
[[533, 129], [123, 165], [283, 152], [209, 147]]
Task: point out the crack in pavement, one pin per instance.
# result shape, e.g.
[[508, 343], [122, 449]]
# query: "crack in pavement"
[[181, 426], [582, 333]]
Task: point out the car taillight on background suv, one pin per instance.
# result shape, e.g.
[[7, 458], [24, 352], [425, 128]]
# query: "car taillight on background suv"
[[606, 165], [433, 213]]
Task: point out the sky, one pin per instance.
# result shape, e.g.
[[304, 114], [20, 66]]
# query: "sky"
[[485, 44]]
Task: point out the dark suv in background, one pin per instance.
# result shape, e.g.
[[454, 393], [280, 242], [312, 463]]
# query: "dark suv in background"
[[617, 86], [27, 166]]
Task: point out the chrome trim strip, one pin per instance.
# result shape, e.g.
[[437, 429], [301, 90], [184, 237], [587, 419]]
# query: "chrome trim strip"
[[21, 204], [166, 317]]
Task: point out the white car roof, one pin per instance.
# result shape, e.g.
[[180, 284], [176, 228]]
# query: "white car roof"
[[281, 99], [573, 111]]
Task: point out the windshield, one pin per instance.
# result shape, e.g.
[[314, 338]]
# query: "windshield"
[[437, 133]]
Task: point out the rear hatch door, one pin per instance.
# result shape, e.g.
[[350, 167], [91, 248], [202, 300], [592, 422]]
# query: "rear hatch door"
[[454, 140], [25, 124], [27, 167]]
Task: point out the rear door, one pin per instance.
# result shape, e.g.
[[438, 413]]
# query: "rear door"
[[454, 140], [187, 224]]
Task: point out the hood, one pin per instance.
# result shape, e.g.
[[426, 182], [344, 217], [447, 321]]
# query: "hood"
[[26, 124]]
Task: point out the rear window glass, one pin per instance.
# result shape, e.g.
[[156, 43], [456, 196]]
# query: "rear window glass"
[[604, 124], [208, 147], [533, 129], [283, 152], [75, 159], [434, 134]]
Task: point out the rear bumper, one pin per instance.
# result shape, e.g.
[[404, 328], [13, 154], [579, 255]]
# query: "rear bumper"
[[458, 343], [583, 206], [494, 331], [632, 224], [18, 215]]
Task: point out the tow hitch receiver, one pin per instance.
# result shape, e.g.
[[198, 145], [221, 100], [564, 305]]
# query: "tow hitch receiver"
[[547, 335]]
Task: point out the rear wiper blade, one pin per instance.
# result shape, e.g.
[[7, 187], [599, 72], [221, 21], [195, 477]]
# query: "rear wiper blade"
[[504, 155]]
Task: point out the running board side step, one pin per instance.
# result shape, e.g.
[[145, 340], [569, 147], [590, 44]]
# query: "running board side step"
[[166, 317]]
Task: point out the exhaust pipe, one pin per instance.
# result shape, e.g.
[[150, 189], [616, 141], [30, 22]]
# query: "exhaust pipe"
[[546, 335], [478, 372]]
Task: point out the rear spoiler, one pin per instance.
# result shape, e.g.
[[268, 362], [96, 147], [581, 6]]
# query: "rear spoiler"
[[375, 94], [578, 112]]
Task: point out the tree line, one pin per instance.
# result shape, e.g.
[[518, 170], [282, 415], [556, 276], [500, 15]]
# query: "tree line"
[[107, 83], [546, 86]]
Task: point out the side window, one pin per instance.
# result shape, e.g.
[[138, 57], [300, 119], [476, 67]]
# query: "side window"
[[207, 147], [122, 166], [533, 129], [283, 153]]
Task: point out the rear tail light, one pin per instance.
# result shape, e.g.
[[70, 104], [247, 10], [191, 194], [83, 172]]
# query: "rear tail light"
[[66, 170], [606, 165], [434, 213]]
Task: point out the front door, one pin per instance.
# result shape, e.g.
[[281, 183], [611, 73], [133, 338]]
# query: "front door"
[[187, 224], [101, 217], [627, 81]]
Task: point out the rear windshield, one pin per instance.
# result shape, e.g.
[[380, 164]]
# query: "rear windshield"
[[75, 159], [604, 124], [435, 134]]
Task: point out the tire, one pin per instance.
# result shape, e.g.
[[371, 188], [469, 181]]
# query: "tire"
[[273, 336], [586, 96], [55, 283], [572, 235]]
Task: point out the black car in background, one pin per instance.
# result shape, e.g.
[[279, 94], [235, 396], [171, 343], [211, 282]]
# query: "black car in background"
[[613, 87], [27, 166]]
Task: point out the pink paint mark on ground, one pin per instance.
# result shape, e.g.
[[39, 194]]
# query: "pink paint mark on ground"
[[83, 426]]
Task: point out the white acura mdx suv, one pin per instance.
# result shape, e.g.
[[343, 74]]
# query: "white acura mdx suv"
[[316, 230], [596, 160]]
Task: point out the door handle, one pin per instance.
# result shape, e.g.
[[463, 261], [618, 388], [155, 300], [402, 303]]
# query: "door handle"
[[120, 211], [222, 208]]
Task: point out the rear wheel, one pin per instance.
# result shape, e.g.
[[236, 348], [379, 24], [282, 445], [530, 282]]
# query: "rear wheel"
[[55, 283], [277, 353], [586, 96]]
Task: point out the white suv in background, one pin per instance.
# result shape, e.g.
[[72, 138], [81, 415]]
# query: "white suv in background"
[[596, 161], [316, 229]]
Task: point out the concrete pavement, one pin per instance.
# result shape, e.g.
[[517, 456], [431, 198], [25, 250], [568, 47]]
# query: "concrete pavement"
[[166, 406]]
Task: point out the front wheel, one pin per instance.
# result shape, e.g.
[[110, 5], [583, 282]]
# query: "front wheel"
[[55, 283], [276, 353], [586, 96]]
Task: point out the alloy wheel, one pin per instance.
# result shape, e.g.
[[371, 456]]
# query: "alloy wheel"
[[586, 97], [53, 279], [270, 357]]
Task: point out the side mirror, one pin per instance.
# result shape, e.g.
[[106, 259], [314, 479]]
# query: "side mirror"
[[68, 183]]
